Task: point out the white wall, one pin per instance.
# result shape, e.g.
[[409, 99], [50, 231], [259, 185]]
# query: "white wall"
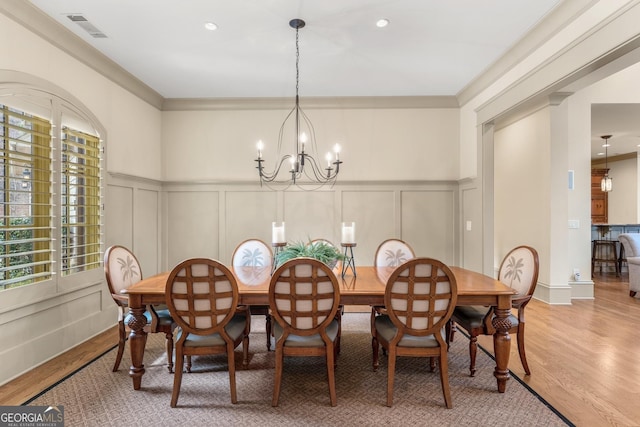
[[522, 186], [623, 199]]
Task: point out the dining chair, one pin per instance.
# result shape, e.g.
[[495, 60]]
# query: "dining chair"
[[390, 253], [420, 297], [519, 271], [304, 296], [257, 257], [202, 295], [122, 269]]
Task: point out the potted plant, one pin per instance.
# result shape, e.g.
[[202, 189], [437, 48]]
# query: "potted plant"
[[320, 250]]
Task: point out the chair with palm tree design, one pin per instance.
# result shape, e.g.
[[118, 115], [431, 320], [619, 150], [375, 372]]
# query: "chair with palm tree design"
[[252, 262], [122, 269], [390, 253], [519, 270]]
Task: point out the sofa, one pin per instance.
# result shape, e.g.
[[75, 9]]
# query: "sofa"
[[631, 244]]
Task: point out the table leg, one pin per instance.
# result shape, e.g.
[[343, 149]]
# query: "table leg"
[[137, 342], [502, 346]]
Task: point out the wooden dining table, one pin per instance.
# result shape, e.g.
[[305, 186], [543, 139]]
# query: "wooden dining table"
[[367, 288]]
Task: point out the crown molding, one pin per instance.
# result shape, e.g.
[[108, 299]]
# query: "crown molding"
[[368, 102], [556, 20], [30, 17]]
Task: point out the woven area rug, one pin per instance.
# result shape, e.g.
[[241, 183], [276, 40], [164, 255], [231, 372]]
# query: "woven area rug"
[[94, 396]]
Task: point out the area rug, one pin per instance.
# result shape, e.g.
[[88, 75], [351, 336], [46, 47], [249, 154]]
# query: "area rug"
[[94, 396]]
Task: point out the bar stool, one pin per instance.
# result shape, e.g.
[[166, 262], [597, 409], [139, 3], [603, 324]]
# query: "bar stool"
[[604, 252]]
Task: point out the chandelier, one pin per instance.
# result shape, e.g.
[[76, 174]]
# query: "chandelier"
[[302, 161], [606, 184]]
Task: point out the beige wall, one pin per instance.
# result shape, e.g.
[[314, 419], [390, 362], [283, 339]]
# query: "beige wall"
[[377, 144]]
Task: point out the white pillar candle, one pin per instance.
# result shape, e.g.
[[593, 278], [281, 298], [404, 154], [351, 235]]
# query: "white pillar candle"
[[348, 232], [277, 232]]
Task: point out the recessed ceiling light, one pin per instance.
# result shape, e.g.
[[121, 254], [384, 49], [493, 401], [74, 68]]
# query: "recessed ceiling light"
[[211, 26], [600, 154], [381, 23]]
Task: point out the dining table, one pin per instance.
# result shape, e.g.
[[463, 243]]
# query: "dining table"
[[365, 288]]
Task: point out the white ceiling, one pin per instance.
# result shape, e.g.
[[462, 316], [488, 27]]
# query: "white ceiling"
[[622, 122], [430, 47]]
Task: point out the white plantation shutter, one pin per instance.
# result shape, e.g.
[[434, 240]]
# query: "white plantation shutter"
[[80, 201], [25, 197]]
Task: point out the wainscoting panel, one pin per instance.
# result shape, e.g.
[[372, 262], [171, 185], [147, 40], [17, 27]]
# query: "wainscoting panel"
[[248, 215], [428, 220], [310, 215], [374, 213], [193, 224]]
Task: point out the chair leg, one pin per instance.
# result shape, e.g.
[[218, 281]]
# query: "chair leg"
[[523, 356], [177, 377], [632, 293], [473, 350], [444, 379], [432, 364], [267, 322], [376, 353], [169, 337], [278, 373], [232, 372], [331, 373], [245, 351], [391, 362], [122, 340], [189, 364], [339, 319]]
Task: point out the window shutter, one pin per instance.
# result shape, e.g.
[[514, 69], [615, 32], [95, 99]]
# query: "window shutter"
[[80, 200], [25, 197]]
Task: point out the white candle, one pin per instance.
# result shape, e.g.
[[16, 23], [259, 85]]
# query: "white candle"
[[260, 147], [348, 232], [277, 232]]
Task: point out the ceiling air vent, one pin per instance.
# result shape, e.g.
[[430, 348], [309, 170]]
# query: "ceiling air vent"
[[86, 25]]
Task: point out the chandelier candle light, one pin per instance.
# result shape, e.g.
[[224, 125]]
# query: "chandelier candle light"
[[304, 144], [606, 184]]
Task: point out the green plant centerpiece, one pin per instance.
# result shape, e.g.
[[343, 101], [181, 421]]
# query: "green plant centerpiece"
[[320, 250]]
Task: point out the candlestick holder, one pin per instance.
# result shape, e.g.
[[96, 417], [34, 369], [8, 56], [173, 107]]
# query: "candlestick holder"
[[349, 260], [277, 248]]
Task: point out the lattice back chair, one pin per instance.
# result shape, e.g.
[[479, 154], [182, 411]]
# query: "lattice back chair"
[[304, 295], [122, 269], [252, 261], [202, 295], [420, 297], [518, 270]]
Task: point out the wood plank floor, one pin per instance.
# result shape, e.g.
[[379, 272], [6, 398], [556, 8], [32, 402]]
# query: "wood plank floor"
[[583, 357]]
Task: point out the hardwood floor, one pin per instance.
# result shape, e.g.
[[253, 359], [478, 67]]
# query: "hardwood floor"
[[583, 357]]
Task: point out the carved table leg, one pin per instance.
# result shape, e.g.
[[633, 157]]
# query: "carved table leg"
[[501, 346], [137, 341]]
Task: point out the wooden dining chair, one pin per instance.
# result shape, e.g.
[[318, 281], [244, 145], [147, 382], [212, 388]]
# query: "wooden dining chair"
[[257, 256], [202, 295], [304, 296], [122, 269], [518, 270], [390, 253], [420, 297]]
